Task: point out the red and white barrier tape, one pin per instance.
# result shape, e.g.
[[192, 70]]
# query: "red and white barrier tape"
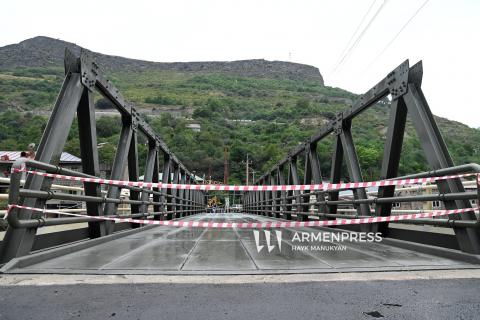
[[260, 225], [212, 187]]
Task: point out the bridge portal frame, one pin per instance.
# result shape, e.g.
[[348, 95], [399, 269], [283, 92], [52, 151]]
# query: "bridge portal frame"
[[82, 78], [403, 84]]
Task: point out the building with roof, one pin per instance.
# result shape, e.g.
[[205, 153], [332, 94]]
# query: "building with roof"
[[160, 178], [196, 127], [7, 158], [67, 160]]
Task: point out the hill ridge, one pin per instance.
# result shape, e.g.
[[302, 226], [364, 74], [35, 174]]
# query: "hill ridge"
[[44, 51]]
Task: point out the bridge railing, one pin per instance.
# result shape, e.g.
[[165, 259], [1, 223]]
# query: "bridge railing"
[[186, 205], [172, 206], [280, 204], [266, 204]]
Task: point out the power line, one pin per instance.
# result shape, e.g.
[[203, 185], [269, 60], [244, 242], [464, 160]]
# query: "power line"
[[398, 33], [360, 36], [356, 30]]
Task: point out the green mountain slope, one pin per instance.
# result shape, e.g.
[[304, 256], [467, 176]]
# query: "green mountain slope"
[[260, 113]]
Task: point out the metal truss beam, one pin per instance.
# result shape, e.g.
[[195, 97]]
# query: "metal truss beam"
[[403, 84], [83, 76]]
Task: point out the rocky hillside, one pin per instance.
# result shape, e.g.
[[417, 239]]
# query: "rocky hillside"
[[48, 52]]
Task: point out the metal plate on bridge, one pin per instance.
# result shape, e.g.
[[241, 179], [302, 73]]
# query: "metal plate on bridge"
[[168, 250]]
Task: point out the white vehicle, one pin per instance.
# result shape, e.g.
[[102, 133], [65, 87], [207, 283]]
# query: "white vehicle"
[[236, 208]]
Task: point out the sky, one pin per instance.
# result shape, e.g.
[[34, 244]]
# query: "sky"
[[443, 33]]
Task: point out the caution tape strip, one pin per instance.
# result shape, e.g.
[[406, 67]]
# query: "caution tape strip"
[[213, 187], [258, 225]]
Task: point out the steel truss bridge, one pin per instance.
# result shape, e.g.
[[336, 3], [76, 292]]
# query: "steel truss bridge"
[[108, 245]]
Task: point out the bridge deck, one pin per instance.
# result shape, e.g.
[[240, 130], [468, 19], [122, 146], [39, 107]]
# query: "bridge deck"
[[164, 250]]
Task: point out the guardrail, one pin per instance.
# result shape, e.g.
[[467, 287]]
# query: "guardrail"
[[184, 206], [298, 205], [172, 205]]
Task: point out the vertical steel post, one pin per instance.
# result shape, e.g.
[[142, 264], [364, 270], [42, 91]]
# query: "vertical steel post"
[[294, 179], [148, 173], [283, 194], [191, 194], [270, 179], [316, 174], [157, 208], [118, 169], [336, 172], [354, 170], [307, 179], [87, 133], [275, 195], [263, 200], [289, 194], [181, 194], [133, 171], [391, 160], [256, 197], [176, 177], [186, 195], [167, 164]]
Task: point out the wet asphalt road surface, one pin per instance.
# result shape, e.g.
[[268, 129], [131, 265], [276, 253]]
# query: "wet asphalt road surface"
[[411, 299]]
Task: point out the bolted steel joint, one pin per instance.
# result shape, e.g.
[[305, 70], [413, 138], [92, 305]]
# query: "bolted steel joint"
[[338, 124], [397, 80]]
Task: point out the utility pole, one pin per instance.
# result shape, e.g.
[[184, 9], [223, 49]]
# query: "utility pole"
[[247, 169], [210, 173], [225, 165]]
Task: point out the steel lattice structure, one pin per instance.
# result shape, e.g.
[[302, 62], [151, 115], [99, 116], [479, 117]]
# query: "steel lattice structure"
[[82, 77], [404, 86]]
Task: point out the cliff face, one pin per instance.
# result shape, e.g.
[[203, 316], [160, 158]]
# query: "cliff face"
[[47, 52]]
